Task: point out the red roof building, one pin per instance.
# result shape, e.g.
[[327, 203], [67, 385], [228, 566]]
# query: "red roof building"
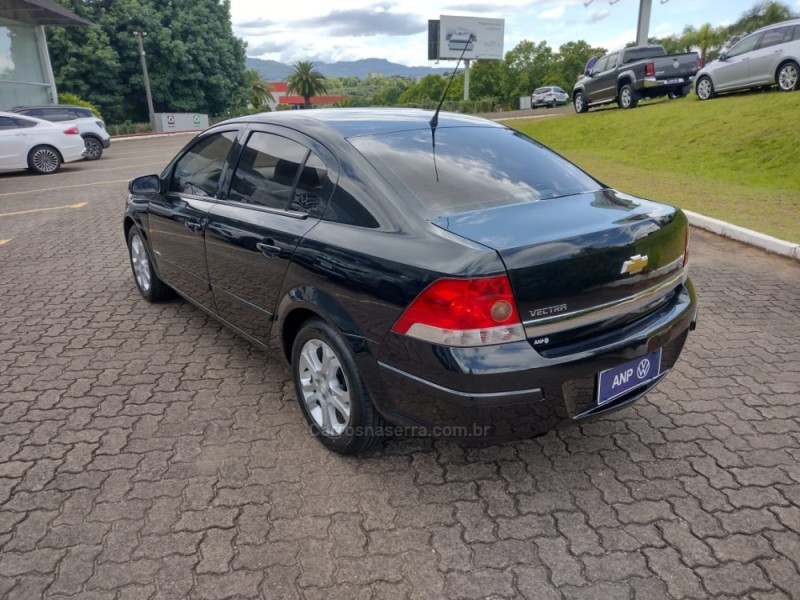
[[279, 92]]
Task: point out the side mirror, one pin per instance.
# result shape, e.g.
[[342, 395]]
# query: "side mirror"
[[146, 184], [723, 56]]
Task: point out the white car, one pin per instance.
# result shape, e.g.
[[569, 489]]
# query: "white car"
[[549, 96], [93, 130], [36, 144]]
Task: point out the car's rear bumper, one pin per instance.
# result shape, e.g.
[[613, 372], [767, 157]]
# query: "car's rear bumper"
[[512, 390]]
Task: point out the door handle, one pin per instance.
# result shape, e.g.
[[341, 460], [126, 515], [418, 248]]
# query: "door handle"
[[194, 227], [269, 249]]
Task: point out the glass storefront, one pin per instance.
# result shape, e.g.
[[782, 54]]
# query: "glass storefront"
[[23, 75]]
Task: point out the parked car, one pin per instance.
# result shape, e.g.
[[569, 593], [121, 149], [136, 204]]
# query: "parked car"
[[92, 130], [458, 279], [549, 96], [627, 76], [38, 145], [769, 56]]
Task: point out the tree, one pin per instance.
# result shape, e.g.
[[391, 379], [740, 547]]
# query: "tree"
[[196, 64], [707, 38], [259, 94], [761, 14], [306, 82]]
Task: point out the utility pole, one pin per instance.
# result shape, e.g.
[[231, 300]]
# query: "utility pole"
[[466, 79], [150, 111]]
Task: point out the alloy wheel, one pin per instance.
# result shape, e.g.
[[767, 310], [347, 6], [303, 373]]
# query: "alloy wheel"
[[787, 79], [325, 389], [45, 160], [141, 263], [625, 97], [579, 103], [704, 89], [94, 149]]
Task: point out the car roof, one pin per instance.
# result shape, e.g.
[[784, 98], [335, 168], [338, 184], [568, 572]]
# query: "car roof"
[[781, 24], [352, 122], [14, 115], [49, 106]]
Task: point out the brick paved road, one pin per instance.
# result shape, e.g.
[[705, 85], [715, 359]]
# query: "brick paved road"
[[146, 452]]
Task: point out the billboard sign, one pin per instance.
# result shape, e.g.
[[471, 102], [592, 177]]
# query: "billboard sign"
[[475, 36]]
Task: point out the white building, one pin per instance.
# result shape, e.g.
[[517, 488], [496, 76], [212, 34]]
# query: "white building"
[[26, 76]]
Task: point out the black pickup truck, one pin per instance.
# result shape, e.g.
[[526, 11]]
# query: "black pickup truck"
[[634, 73]]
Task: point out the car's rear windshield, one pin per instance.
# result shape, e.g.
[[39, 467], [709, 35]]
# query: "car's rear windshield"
[[471, 168], [634, 54]]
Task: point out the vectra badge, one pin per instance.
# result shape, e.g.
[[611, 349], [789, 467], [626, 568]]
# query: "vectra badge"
[[634, 265]]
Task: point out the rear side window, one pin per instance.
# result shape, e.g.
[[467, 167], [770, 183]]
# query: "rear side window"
[[267, 171], [198, 171], [26, 123], [634, 54], [773, 37], [56, 114], [612, 61], [473, 168]]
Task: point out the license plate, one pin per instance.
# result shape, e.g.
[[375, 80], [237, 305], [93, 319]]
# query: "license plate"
[[676, 80], [617, 381]]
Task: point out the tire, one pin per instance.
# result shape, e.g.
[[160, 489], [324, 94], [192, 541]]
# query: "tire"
[[553, 105], [788, 77], [704, 88], [628, 97], [330, 390], [44, 160], [94, 147], [147, 282], [579, 101]]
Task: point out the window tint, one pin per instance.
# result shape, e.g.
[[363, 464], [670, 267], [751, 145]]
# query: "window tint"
[[796, 35], [308, 194], [474, 168], [267, 171], [601, 65], [56, 114], [25, 123], [8, 123], [198, 171], [773, 37], [634, 54], [612, 61], [748, 44]]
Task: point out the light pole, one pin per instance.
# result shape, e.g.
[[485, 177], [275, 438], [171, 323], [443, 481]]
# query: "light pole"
[[150, 110]]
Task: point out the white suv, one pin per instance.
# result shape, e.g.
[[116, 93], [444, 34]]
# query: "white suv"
[[92, 130]]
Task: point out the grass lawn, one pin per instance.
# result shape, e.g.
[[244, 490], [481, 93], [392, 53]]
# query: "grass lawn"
[[735, 158]]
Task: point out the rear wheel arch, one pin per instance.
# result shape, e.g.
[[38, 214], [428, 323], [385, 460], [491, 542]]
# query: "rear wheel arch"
[[304, 303]]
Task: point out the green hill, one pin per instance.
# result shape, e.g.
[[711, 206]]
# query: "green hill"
[[735, 158]]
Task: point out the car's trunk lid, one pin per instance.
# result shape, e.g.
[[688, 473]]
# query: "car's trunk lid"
[[575, 254]]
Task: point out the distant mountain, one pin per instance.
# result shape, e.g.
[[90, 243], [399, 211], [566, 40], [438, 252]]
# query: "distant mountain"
[[271, 70]]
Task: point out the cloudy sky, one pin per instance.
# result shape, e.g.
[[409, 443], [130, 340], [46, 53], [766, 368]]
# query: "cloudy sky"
[[397, 29]]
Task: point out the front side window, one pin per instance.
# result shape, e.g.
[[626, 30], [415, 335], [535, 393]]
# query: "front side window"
[[198, 171], [601, 66], [748, 44], [472, 168], [7, 123]]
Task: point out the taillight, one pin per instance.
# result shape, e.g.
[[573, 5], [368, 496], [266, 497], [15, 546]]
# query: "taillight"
[[463, 312], [72, 131], [649, 69]]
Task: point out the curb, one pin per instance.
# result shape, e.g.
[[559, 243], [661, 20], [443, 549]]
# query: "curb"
[[746, 236]]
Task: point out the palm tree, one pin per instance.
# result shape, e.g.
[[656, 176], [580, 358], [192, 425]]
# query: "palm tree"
[[259, 94], [689, 38], [707, 38], [306, 82]]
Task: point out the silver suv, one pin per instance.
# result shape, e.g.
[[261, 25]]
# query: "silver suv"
[[766, 57], [92, 130], [548, 96]]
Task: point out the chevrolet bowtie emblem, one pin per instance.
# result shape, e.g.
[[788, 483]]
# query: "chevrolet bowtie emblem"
[[634, 265]]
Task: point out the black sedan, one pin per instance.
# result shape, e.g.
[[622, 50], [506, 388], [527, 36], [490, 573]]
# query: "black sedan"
[[450, 276]]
